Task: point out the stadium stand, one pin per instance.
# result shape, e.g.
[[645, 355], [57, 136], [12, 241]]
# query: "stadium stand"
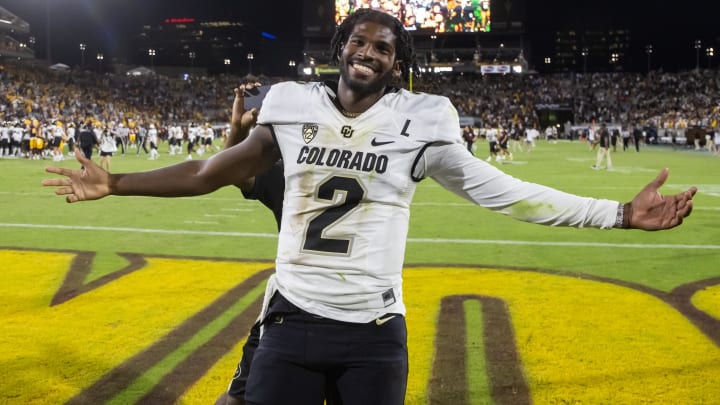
[[674, 108]]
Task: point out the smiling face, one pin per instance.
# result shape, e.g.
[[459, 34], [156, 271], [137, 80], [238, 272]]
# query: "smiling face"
[[367, 61]]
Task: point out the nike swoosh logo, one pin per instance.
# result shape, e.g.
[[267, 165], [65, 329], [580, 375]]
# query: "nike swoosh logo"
[[375, 142], [381, 321]]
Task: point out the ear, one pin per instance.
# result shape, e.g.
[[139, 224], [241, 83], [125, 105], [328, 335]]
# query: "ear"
[[397, 73], [338, 56]]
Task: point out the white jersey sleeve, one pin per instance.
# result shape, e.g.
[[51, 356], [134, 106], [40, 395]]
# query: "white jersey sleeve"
[[475, 180]]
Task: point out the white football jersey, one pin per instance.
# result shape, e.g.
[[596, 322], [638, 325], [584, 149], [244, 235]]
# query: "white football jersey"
[[153, 135], [349, 183], [348, 190], [208, 133]]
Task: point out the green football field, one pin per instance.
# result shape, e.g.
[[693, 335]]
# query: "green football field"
[[594, 316]]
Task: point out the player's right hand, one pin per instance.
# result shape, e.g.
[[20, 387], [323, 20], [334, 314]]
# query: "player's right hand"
[[91, 182]]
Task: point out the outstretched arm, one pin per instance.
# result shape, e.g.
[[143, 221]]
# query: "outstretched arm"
[[231, 166], [652, 211], [489, 187]]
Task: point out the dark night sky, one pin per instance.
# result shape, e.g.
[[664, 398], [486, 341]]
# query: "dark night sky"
[[104, 24]]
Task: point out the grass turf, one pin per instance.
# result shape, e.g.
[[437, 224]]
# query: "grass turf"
[[222, 226]]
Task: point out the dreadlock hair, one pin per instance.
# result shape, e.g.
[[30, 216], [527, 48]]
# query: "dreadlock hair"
[[404, 49]]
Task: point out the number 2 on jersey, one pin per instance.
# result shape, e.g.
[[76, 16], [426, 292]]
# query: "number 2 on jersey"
[[351, 193]]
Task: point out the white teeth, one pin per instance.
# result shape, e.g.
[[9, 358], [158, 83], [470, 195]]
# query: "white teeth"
[[362, 68]]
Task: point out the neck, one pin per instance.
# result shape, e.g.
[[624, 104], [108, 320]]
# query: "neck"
[[352, 103]]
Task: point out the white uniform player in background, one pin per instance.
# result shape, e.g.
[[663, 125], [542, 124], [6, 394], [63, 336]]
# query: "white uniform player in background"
[[5, 131], [171, 139], [71, 138], [58, 140], [17, 134], [152, 136], [206, 135], [492, 138], [175, 138], [193, 139], [593, 135], [26, 135], [531, 134], [98, 130]]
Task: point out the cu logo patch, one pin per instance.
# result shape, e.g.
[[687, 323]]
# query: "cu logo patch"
[[165, 330], [346, 131]]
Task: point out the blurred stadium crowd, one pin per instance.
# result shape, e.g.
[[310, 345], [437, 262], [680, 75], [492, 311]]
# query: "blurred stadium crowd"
[[42, 111]]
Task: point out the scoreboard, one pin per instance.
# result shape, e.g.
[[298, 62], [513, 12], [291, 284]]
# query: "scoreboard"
[[438, 16], [421, 17]]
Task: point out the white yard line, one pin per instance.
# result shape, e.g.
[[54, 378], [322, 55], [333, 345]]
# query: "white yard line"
[[410, 240]]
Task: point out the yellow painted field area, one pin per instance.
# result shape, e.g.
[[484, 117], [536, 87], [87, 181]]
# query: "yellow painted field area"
[[708, 300], [578, 341]]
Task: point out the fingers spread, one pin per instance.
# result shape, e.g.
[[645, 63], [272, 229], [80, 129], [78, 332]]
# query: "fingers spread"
[[685, 210], [660, 179], [64, 190], [55, 170], [55, 182]]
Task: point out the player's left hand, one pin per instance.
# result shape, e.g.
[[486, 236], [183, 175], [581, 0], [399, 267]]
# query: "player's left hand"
[[652, 211], [242, 119]]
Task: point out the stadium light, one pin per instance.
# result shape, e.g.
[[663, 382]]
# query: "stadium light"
[[292, 64], [584, 54], [227, 63], [548, 63], [648, 51], [698, 45], [99, 58], [82, 55], [151, 53], [710, 52], [250, 58]]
